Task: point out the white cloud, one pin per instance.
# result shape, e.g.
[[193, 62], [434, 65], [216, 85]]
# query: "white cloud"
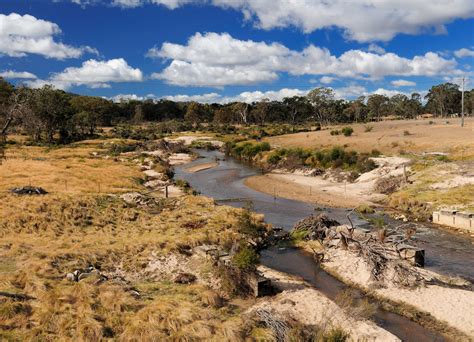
[[217, 60], [93, 74], [461, 53], [17, 74], [347, 93], [24, 34], [376, 48], [350, 91], [272, 95], [172, 4], [204, 98], [388, 92], [127, 97], [403, 83], [361, 20], [327, 79], [127, 3]]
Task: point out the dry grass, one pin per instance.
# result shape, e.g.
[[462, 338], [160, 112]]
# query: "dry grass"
[[389, 137], [44, 237], [69, 169]]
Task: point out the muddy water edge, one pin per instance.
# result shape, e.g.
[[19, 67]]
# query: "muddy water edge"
[[225, 183]]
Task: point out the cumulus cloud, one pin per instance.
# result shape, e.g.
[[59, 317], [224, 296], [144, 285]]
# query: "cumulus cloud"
[[272, 95], [403, 83], [361, 20], [327, 79], [349, 92], [93, 74], [11, 74], [24, 34], [462, 53], [217, 60], [204, 98], [376, 48]]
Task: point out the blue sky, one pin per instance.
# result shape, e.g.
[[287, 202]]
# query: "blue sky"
[[223, 50]]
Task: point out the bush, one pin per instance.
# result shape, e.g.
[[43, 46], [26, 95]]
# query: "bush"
[[248, 150], [246, 258], [368, 128], [247, 225], [375, 153], [406, 133], [388, 185], [116, 149], [335, 132], [347, 131]]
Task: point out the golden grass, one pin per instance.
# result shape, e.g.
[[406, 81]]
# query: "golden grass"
[[66, 170], [390, 138], [44, 237]]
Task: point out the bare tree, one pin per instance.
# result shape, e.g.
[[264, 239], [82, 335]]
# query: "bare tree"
[[242, 109]]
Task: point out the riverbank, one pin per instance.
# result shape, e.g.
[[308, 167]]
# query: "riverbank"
[[446, 309], [306, 189], [303, 302], [328, 188], [228, 181]]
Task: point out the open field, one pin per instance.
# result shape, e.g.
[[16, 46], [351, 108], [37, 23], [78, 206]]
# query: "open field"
[[69, 169], [392, 137], [136, 249]]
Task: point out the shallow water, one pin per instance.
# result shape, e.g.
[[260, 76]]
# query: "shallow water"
[[446, 253]]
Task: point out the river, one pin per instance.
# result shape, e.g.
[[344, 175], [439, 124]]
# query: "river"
[[445, 253]]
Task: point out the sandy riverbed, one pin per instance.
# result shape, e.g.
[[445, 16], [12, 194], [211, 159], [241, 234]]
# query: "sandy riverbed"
[[325, 190], [201, 167], [450, 305], [307, 305]]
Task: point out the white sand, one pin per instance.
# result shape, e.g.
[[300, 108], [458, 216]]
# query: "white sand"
[[179, 158], [454, 306], [308, 306], [201, 167], [189, 139], [324, 189]]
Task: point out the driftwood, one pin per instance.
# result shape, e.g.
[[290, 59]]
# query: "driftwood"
[[378, 248]]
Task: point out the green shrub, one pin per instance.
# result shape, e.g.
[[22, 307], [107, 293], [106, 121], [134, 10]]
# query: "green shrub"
[[375, 153], [246, 258], [347, 131], [443, 159]]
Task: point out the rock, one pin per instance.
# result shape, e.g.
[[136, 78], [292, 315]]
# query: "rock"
[[70, 277], [288, 301], [156, 183], [185, 278], [29, 190], [153, 174], [85, 275], [137, 199]]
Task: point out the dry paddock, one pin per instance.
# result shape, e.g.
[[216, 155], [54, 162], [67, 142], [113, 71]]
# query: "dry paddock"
[[392, 137]]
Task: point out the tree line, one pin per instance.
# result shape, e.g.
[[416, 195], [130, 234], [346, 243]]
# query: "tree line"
[[55, 116]]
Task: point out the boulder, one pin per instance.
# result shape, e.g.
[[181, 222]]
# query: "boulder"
[[185, 278]]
